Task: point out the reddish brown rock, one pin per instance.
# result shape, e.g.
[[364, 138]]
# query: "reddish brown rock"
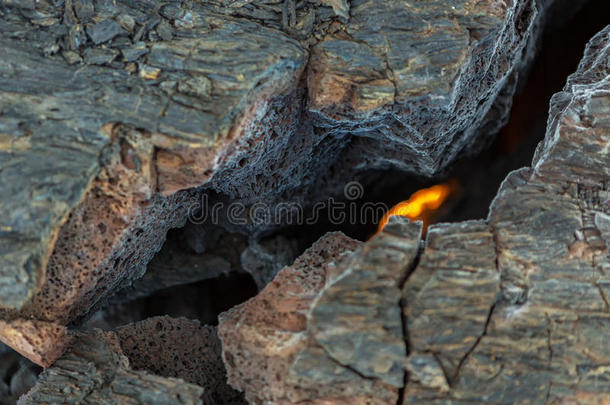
[[179, 348], [332, 316], [264, 338], [107, 152], [149, 99], [41, 342], [110, 111]]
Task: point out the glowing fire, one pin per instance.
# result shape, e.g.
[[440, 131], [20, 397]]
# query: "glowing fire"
[[422, 205]]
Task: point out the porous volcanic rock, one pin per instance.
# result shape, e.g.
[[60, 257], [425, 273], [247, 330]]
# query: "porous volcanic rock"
[[112, 111], [328, 327], [263, 337], [513, 309], [180, 348], [93, 160], [42, 342], [95, 371]]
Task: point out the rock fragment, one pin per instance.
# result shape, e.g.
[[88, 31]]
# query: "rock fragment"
[[179, 348], [265, 340], [41, 342], [303, 336], [546, 338], [104, 31], [449, 296], [357, 318], [92, 203], [95, 371], [212, 97]]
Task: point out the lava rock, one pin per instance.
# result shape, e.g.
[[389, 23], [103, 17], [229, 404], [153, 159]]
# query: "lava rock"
[[71, 207], [95, 371], [289, 343], [104, 31], [457, 272], [179, 348], [84, 9], [99, 162], [357, 318], [513, 309], [41, 342], [100, 56], [263, 259]]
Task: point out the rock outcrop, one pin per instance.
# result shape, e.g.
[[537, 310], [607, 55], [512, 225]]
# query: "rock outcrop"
[[117, 118], [111, 112], [512, 309]]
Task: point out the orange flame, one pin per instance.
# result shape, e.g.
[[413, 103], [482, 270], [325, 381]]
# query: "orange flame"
[[422, 205]]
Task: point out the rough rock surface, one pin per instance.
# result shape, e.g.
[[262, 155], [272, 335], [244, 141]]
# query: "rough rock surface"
[[179, 348], [449, 296], [42, 342], [250, 99], [165, 132], [264, 338], [513, 309], [100, 152], [546, 337], [325, 318], [95, 371], [398, 81], [356, 318]]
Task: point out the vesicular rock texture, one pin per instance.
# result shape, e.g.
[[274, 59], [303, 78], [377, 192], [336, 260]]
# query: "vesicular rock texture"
[[509, 310], [329, 326], [93, 159], [95, 371], [179, 348], [398, 81], [161, 360], [110, 111]]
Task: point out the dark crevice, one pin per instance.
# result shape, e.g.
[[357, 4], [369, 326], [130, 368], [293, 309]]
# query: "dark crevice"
[[548, 394], [456, 376], [550, 349], [403, 318], [203, 300], [347, 366], [560, 50], [443, 369]]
